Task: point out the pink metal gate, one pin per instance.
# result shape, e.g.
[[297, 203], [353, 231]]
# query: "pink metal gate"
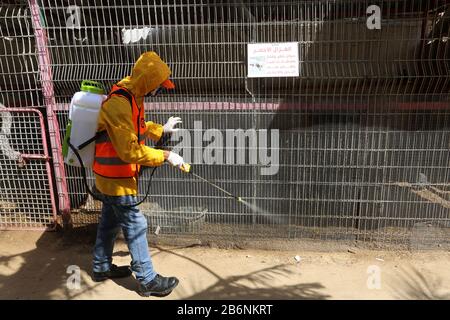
[[32, 180], [26, 190]]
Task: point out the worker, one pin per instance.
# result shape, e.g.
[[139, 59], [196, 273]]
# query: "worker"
[[119, 153]]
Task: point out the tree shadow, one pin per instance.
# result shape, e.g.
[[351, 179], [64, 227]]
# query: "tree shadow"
[[43, 271], [233, 288], [253, 285], [412, 284]]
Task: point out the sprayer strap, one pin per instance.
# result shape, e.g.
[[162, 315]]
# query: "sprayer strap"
[[102, 135], [124, 93], [98, 135]]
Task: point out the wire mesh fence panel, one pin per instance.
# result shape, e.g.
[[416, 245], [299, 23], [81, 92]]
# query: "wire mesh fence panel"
[[362, 135], [26, 189], [19, 75]]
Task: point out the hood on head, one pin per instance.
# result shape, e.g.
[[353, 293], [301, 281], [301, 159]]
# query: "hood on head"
[[148, 73]]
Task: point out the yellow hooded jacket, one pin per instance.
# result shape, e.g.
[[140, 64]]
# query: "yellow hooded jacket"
[[115, 117]]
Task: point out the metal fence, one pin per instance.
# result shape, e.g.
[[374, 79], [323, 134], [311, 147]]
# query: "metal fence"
[[364, 134], [26, 182], [26, 190]]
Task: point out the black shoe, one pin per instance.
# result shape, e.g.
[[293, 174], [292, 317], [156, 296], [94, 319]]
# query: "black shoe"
[[114, 272], [159, 287]]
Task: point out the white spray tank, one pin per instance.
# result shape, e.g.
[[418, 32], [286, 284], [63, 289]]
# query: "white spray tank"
[[82, 127]]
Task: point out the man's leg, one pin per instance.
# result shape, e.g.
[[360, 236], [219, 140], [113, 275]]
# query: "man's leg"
[[107, 231], [134, 227]]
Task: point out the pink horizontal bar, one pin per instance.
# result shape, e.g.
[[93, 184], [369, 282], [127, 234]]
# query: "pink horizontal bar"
[[29, 109], [231, 106], [35, 156], [424, 105]]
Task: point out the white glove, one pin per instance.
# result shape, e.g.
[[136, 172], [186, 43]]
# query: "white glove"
[[175, 159], [169, 127]]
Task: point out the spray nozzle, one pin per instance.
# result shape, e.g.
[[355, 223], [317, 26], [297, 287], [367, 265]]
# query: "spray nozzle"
[[186, 167]]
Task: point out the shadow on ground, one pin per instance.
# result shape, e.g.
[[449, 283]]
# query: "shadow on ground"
[[253, 285], [41, 273], [412, 284]]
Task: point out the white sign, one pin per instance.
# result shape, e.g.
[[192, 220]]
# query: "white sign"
[[273, 60]]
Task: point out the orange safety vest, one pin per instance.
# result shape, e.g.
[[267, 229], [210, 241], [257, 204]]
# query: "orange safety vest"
[[106, 161]]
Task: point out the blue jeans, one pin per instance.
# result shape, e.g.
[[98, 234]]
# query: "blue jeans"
[[115, 216]]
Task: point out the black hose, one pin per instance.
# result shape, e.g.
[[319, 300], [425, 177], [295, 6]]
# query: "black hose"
[[83, 173]]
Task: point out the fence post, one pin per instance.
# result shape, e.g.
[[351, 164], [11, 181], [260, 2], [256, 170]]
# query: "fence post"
[[50, 104]]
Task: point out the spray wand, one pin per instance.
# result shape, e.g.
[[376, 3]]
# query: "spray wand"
[[187, 168]]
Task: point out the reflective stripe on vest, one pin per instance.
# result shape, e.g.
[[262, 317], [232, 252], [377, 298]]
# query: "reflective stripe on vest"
[[105, 138], [106, 161], [109, 161]]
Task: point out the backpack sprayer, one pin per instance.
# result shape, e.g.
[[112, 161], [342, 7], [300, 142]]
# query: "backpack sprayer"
[[78, 148]]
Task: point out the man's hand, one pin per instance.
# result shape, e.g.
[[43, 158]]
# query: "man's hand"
[[174, 159], [169, 127]]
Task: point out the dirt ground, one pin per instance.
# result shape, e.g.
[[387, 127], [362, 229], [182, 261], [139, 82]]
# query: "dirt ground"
[[34, 265]]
